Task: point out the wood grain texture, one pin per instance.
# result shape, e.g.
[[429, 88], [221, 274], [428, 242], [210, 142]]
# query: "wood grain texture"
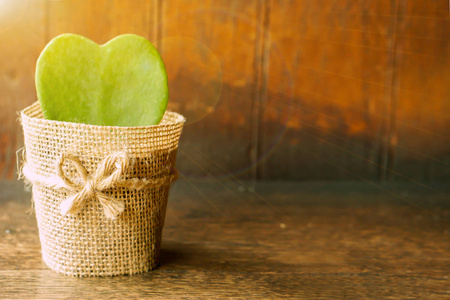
[[210, 48], [420, 136], [21, 40], [275, 240], [328, 68], [101, 20]]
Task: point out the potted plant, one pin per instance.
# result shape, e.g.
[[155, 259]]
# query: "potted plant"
[[100, 152]]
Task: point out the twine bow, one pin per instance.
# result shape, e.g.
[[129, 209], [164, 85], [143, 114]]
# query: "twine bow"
[[93, 186], [107, 175]]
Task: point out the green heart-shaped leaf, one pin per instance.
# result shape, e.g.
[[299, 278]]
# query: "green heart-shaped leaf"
[[120, 83]]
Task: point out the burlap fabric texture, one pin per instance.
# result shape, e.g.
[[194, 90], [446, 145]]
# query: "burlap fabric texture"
[[100, 192]]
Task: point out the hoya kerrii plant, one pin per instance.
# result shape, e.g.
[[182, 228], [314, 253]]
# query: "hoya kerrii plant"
[[120, 83]]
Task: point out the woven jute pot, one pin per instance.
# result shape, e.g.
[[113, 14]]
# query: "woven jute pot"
[[100, 192]]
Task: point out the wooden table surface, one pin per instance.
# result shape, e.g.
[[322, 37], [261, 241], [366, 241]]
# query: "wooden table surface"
[[314, 240]]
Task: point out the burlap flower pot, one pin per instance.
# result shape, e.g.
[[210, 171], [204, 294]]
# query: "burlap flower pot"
[[100, 192]]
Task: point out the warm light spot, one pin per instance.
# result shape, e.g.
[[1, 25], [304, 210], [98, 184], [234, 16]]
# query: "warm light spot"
[[239, 82], [293, 124], [356, 127], [11, 13], [323, 123], [241, 121]]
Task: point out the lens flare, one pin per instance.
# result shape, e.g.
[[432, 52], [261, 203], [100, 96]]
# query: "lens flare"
[[195, 77]]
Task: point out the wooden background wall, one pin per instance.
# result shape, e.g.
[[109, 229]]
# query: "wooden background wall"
[[273, 89]]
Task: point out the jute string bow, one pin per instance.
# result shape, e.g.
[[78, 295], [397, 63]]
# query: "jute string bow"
[[93, 186]]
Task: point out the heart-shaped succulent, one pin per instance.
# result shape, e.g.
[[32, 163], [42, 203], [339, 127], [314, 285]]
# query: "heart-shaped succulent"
[[120, 83]]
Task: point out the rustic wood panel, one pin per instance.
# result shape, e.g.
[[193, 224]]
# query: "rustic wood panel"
[[420, 137], [326, 88], [22, 26], [210, 48], [271, 89], [101, 20], [295, 241]]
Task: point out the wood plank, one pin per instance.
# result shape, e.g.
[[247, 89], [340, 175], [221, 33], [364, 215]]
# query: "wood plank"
[[420, 139], [327, 96], [21, 40], [102, 20], [201, 285], [429, 9], [210, 48], [281, 240]]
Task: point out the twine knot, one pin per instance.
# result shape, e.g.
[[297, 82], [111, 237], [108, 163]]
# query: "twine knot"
[[90, 190], [106, 176]]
